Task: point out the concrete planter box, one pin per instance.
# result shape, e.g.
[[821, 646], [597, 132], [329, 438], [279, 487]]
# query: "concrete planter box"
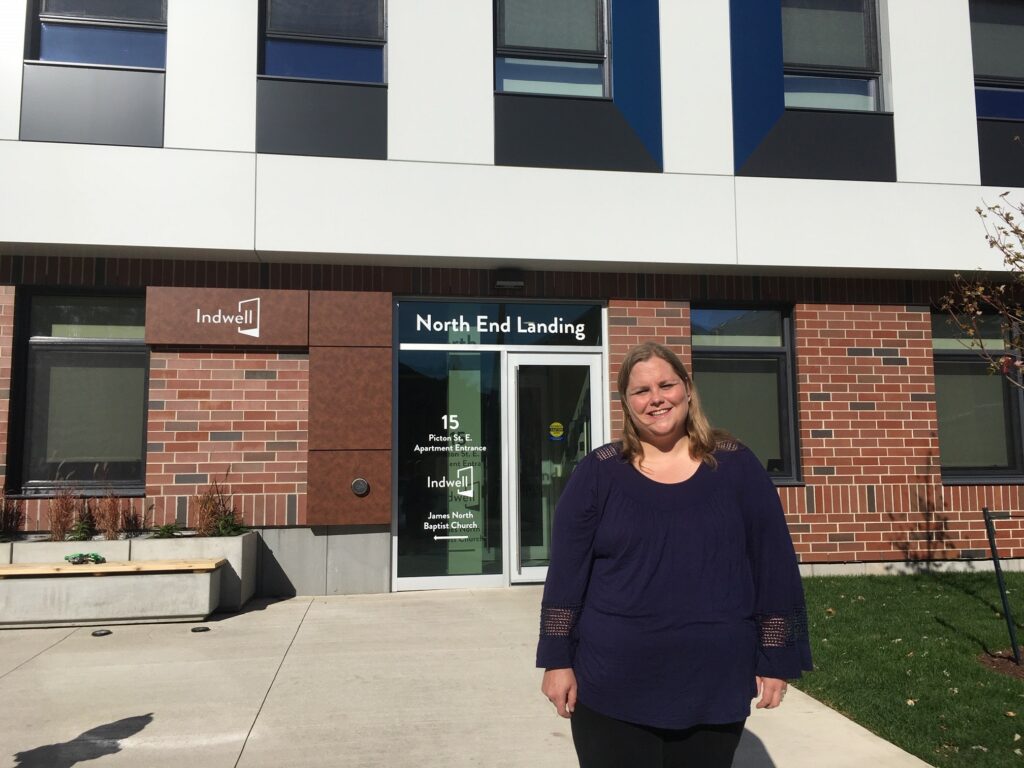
[[5, 552], [78, 600], [238, 575], [55, 551]]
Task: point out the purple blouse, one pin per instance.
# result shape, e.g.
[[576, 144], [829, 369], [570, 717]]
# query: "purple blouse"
[[667, 599]]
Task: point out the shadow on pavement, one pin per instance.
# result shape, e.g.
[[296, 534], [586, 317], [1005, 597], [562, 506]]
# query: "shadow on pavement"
[[751, 753], [96, 742]]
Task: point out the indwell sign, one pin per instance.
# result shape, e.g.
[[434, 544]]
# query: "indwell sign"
[[222, 317]]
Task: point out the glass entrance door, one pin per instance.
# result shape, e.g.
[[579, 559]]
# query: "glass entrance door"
[[555, 410]]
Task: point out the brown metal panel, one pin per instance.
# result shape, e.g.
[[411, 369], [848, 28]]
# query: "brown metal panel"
[[349, 398], [349, 319], [227, 317], [330, 499]]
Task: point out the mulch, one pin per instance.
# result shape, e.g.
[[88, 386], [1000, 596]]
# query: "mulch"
[[1003, 663]]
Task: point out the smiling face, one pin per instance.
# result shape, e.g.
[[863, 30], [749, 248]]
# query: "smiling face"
[[658, 401]]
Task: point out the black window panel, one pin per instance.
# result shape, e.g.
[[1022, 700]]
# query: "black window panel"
[[746, 395], [85, 416], [132, 11], [979, 412], [349, 20], [88, 317], [738, 328], [742, 368], [979, 418], [575, 26], [997, 35], [830, 34]]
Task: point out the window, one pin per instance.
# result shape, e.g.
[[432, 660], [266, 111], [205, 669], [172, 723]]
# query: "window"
[[325, 40], [830, 50], [979, 412], [124, 33], [554, 47], [741, 363], [997, 36], [85, 394]]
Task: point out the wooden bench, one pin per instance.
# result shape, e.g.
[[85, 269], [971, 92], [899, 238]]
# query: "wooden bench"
[[53, 594]]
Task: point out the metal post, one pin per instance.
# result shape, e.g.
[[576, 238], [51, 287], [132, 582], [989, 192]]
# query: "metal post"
[[991, 528]]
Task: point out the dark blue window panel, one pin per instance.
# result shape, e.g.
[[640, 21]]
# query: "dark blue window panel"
[[1005, 103], [116, 46], [324, 61]]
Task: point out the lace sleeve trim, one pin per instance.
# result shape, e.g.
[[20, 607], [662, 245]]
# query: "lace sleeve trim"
[[782, 630], [558, 621]]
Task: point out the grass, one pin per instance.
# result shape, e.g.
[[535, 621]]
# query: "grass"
[[898, 654]]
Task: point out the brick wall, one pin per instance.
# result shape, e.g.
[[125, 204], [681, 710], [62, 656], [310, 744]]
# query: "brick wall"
[[869, 448], [239, 413]]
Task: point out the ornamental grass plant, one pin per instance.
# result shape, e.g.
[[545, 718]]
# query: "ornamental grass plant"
[[905, 656], [12, 517], [61, 512]]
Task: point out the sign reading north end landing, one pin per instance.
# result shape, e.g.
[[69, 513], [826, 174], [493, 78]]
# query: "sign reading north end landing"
[[442, 322]]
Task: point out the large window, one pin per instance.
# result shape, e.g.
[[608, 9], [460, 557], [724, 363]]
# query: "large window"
[[555, 47], [124, 33], [979, 412], [85, 394], [742, 365], [997, 36], [340, 40], [830, 49]]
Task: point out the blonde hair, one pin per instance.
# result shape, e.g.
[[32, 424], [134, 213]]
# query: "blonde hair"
[[704, 439]]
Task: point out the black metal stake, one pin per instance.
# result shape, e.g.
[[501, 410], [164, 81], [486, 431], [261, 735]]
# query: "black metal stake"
[[991, 528]]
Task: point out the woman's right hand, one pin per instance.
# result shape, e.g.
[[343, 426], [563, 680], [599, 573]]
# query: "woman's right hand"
[[559, 685]]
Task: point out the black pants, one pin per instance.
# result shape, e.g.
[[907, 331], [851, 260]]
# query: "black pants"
[[604, 742]]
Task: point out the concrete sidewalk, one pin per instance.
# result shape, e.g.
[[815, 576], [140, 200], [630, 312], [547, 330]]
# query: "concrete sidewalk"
[[414, 679]]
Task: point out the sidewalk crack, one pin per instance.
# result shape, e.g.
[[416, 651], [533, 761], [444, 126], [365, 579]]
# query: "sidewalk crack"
[[273, 680], [37, 655]]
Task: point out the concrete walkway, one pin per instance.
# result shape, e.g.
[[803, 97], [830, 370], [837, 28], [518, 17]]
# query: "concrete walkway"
[[416, 679]]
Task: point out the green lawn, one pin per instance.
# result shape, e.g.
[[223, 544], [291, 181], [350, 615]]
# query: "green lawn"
[[897, 654]]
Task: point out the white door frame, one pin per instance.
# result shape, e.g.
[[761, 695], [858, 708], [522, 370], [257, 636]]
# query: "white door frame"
[[518, 573]]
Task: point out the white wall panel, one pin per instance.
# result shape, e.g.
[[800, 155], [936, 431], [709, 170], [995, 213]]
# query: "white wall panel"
[[492, 214], [807, 223], [211, 74], [932, 84], [12, 54], [441, 81], [696, 87], [82, 194]]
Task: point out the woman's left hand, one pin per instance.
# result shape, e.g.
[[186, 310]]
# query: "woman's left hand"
[[772, 691]]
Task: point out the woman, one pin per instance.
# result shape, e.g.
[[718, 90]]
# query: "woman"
[[673, 595]]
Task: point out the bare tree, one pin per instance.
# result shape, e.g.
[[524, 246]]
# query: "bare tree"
[[987, 314]]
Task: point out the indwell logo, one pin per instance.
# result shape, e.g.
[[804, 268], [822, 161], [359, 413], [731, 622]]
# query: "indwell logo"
[[463, 482], [247, 318]]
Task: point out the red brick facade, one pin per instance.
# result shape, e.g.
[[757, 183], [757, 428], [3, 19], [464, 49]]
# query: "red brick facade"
[[871, 486], [236, 415], [869, 448]]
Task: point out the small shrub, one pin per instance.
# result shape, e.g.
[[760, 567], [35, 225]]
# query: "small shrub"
[[166, 531], [135, 522], [61, 513], [214, 513], [12, 517], [84, 527]]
